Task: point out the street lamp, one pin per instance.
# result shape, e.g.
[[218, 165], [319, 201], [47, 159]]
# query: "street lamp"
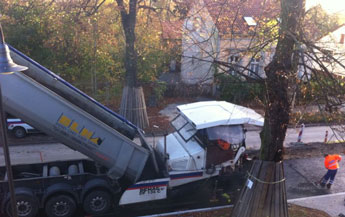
[[7, 66]]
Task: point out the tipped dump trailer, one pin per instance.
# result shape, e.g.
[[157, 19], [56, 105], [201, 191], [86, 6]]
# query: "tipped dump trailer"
[[55, 116], [208, 137], [61, 87]]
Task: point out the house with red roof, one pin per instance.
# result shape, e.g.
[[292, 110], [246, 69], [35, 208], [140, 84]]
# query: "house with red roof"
[[239, 34], [226, 31]]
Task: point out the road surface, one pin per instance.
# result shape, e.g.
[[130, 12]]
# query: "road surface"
[[309, 135], [300, 173], [56, 151]]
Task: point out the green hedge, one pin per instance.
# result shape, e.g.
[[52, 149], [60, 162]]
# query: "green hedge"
[[234, 89]]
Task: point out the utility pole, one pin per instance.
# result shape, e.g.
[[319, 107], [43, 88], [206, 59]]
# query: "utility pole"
[[7, 66]]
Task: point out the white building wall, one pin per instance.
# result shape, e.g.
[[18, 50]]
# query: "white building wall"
[[199, 45], [333, 44]]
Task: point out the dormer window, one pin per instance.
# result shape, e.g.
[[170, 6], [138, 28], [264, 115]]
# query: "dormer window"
[[250, 21], [189, 25]]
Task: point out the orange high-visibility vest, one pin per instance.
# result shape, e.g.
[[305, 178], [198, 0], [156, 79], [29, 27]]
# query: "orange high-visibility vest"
[[223, 144], [331, 161]]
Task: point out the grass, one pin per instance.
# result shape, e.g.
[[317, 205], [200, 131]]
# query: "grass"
[[317, 117]]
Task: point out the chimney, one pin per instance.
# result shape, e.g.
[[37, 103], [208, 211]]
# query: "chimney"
[[342, 38]]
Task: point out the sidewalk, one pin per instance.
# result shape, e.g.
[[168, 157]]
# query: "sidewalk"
[[333, 204]]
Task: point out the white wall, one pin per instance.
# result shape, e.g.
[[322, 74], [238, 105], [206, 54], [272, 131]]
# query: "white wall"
[[199, 46]]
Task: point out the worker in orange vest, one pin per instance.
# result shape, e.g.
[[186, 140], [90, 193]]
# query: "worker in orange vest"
[[331, 164]]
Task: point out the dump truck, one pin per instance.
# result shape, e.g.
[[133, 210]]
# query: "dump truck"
[[208, 137]]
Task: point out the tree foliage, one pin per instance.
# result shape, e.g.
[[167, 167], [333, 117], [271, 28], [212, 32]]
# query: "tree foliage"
[[82, 41]]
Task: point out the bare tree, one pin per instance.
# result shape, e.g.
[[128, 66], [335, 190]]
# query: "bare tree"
[[296, 61], [133, 105]]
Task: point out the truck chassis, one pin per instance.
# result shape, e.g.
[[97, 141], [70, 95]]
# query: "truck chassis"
[[59, 188]]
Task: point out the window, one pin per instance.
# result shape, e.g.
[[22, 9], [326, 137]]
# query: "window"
[[189, 25], [197, 23], [183, 127], [327, 56], [250, 21], [232, 134], [234, 61], [254, 67]]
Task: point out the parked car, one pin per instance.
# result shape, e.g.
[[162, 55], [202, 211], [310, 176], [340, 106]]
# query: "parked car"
[[19, 128]]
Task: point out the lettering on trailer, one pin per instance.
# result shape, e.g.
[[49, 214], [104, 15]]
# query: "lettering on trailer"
[[84, 132], [150, 190]]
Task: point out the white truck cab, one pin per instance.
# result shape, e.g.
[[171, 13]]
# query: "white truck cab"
[[209, 136]]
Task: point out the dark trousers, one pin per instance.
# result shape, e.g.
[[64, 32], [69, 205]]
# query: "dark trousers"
[[329, 175]]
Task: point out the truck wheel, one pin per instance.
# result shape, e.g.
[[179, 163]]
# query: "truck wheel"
[[60, 206], [97, 202], [19, 132], [27, 206]]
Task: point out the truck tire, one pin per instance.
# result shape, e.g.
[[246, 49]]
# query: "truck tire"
[[19, 132], [27, 206], [97, 202], [60, 206]]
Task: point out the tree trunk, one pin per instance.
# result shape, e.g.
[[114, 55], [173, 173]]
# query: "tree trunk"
[[281, 72], [134, 108], [133, 105], [93, 67]]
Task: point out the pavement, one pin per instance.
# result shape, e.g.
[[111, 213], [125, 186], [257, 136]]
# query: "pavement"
[[302, 176], [332, 204]]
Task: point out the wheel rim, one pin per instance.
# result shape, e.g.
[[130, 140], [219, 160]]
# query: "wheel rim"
[[61, 208], [19, 133], [24, 208], [98, 203]]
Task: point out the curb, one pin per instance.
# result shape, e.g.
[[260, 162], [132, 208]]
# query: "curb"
[[189, 211], [315, 197], [230, 206]]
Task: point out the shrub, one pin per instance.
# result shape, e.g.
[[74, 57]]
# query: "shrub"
[[234, 89]]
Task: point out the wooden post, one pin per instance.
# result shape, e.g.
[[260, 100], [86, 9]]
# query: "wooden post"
[[264, 192], [7, 66], [4, 144]]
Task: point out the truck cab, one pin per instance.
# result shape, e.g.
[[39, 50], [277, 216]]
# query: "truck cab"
[[209, 136]]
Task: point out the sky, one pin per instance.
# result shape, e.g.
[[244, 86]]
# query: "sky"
[[331, 6]]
